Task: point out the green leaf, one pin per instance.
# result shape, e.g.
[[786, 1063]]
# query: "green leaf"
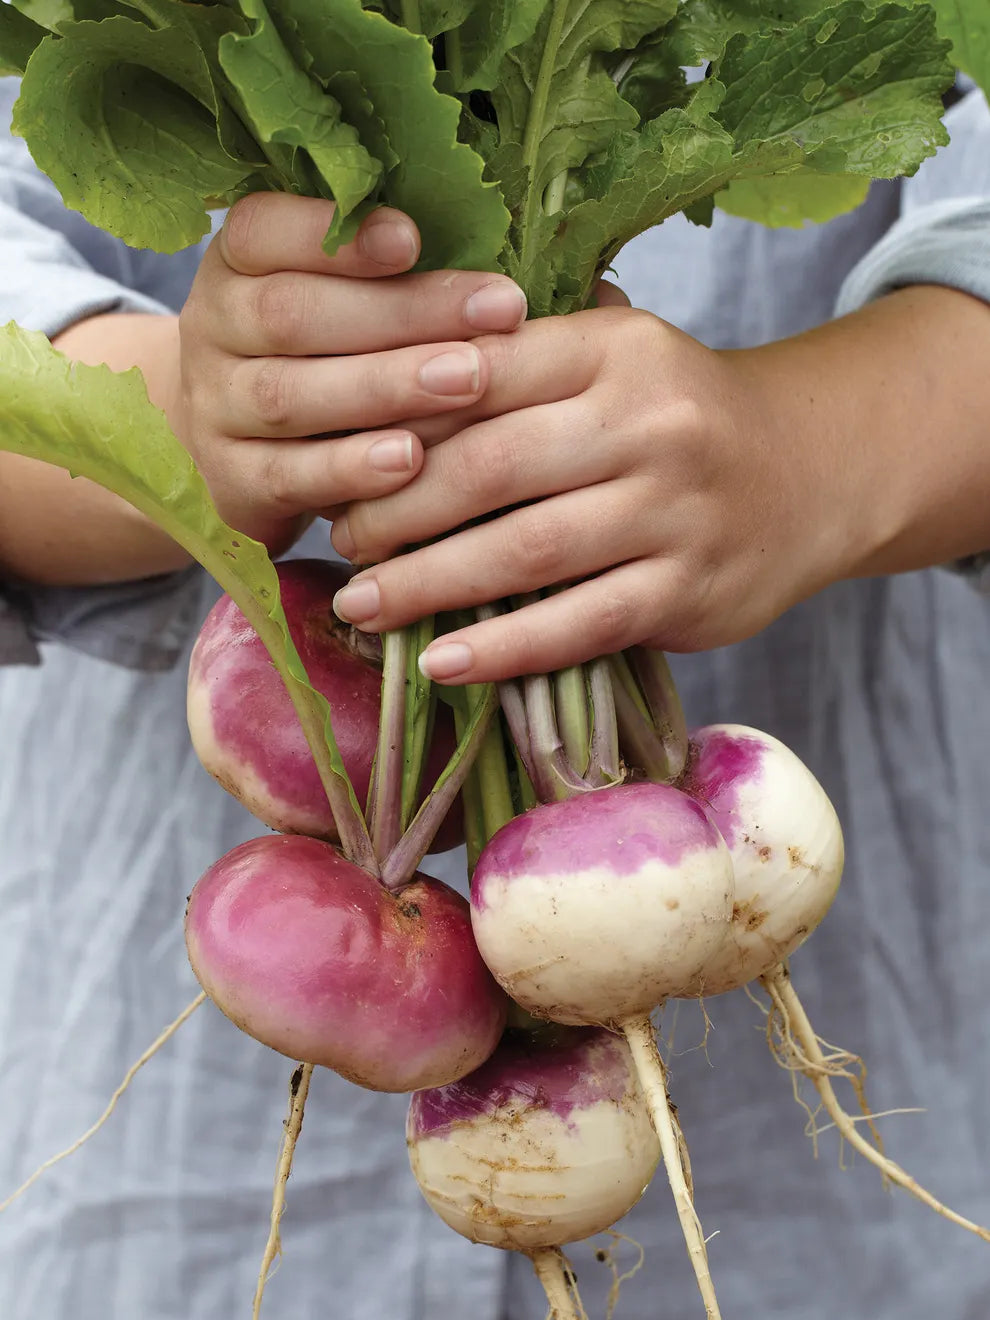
[[476, 50], [966, 23], [123, 119], [703, 28], [49, 13], [791, 199], [437, 179], [19, 35], [100, 425], [858, 95], [558, 105], [284, 106], [643, 178]]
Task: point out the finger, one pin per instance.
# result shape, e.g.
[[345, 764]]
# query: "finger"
[[560, 539], [298, 476], [545, 361], [302, 314], [608, 294], [288, 396], [526, 455], [598, 617], [268, 232]]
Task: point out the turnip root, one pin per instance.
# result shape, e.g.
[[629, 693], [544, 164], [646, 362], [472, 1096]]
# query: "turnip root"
[[598, 908], [547, 1143], [315, 958], [242, 722], [786, 845]]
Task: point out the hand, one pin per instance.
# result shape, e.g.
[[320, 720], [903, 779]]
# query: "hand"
[[281, 346], [664, 486]]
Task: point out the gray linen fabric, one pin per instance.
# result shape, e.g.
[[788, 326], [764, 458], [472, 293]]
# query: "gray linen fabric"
[[106, 820]]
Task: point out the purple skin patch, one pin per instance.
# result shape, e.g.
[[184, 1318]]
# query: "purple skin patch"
[[254, 723], [252, 715], [620, 829], [312, 956], [720, 763], [560, 1069]]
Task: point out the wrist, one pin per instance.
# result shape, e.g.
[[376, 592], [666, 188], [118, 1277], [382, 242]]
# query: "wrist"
[[885, 412]]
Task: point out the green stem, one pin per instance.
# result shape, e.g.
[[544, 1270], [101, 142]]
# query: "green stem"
[[533, 136], [385, 797], [554, 778], [454, 54], [494, 782], [410, 15], [570, 699], [657, 683], [606, 764], [553, 198], [641, 746], [420, 713], [474, 733]]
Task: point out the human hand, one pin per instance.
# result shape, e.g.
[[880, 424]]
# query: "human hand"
[[662, 487], [280, 346]]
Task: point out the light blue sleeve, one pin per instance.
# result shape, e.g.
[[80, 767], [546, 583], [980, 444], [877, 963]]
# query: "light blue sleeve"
[[56, 269], [942, 237]]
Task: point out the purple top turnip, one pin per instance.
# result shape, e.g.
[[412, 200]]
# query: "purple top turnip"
[[547, 1143], [314, 957], [786, 845], [598, 908], [245, 729]]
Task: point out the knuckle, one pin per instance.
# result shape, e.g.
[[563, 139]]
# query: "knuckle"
[[277, 481], [482, 471], [611, 619], [539, 544], [269, 393], [278, 307], [239, 229]]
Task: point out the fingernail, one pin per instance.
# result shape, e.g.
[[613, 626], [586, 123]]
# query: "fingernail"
[[496, 307], [358, 601], [392, 455], [341, 539], [446, 660], [389, 243], [458, 372]]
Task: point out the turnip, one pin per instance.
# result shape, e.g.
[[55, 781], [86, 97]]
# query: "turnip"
[[787, 854], [241, 718], [596, 909], [547, 1143], [785, 841], [315, 958]]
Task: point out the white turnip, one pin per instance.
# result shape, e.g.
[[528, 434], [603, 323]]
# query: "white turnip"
[[787, 854], [598, 908], [547, 1143]]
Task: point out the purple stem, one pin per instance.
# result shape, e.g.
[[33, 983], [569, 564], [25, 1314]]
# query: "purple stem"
[[510, 695], [553, 776], [640, 743], [657, 683]]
